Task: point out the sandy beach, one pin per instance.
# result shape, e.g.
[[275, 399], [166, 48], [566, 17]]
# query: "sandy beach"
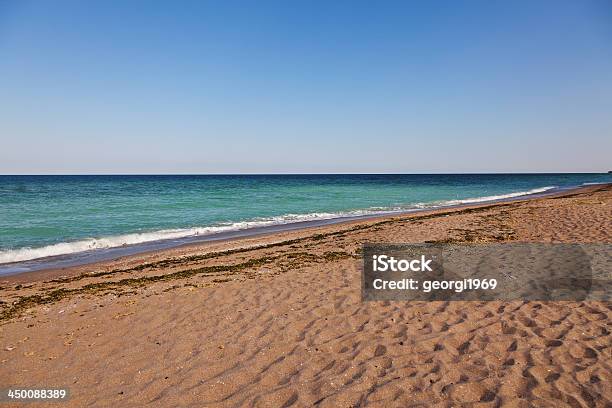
[[277, 321]]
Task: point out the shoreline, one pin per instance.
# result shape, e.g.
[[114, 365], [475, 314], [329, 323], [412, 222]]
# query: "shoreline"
[[246, 236], [92, 256]]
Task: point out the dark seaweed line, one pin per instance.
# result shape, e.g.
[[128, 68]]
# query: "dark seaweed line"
[[58, 294], [92, 288]]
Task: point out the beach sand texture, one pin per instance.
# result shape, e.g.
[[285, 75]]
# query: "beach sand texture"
[[277, 321]]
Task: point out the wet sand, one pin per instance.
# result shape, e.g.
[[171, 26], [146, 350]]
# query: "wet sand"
[[277, 320]]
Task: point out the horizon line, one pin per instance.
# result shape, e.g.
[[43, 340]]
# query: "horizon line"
[[301, 174]]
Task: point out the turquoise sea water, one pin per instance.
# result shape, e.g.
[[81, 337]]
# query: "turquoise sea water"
[[43, 216]]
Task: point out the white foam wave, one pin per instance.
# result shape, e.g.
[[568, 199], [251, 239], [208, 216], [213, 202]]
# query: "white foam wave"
[[88, 244], [499, 197]]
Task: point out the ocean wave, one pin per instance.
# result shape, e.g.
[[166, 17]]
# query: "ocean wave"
[[499, 197], [89, 244]]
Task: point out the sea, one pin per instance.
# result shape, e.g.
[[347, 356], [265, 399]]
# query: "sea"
[[57, 221]]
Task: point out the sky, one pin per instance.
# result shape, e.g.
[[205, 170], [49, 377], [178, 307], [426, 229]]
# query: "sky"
[[231, 87]]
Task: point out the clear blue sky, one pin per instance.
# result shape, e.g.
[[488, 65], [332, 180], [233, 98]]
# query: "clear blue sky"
[[305, 87]]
